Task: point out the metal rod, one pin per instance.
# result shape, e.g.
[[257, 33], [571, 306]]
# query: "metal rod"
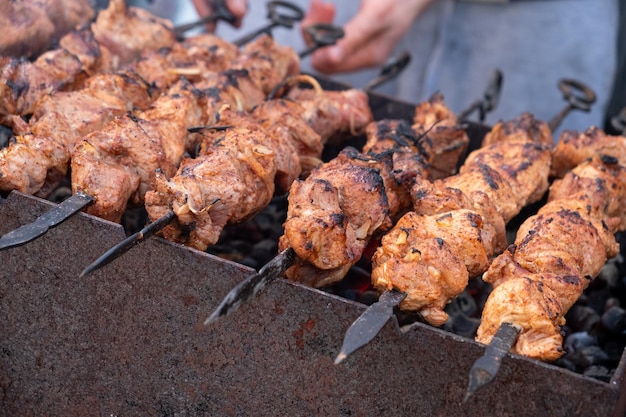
[[370, 323], [486, 367], [126, 244], [249, 287], [46, 221]]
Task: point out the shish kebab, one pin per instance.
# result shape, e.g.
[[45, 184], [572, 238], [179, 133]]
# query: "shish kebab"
[[342, 204], [442, 149], [307, 119], [506, 187], [556, 253], [61, 119], [117, 36], [237, 170], [265, 70]]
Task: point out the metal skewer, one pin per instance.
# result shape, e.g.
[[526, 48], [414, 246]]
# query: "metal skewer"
[[249, 287], [52, 218], [370, 323], [276, 19], [220, 12], [486, 367]]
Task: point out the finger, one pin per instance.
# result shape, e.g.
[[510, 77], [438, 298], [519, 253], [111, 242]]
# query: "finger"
[[239, 8], [357, 49], [205, 8]]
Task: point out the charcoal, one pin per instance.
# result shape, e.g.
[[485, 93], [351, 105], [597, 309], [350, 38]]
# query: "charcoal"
[[614, 319]]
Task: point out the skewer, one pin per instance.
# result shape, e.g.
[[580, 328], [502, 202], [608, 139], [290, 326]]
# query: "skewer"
[[249, 287], [568, 87], [220, 12], [370, 323], [276, 19], [486, 367]]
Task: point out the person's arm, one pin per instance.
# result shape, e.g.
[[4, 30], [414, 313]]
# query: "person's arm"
[[236, 7], [370, 36]]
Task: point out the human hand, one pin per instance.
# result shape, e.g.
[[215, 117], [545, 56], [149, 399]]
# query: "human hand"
[[207, 7], [370, 36]]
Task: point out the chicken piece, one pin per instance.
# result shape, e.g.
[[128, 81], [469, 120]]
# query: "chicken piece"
[[228, 183], [286, 156], [31, 27], [532, 306], [194, 59], [118, 163], [285, 117], [334, 114], [38, 159], [574, 147], [420, 264], [25, 82]]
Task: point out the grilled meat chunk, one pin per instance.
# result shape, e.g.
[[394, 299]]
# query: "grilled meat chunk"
[[574, 147], [229, 182], [119, 162], [39, 157]]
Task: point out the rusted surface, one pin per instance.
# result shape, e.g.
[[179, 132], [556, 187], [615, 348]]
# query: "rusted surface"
[[129, 341]]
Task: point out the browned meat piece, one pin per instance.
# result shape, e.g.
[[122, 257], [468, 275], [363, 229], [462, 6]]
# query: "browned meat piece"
[[443, 142], [194, 59], [557, 252], [334, 114], [25, 82], [228, 183], [285, 153], [31, 27], [126, 31], [285, 118], [574, 147], [268, 62], [333, 214], [118, 163], [465, 214], [39, 158]]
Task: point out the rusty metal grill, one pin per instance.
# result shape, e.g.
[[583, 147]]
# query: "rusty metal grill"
[[128, 340]]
